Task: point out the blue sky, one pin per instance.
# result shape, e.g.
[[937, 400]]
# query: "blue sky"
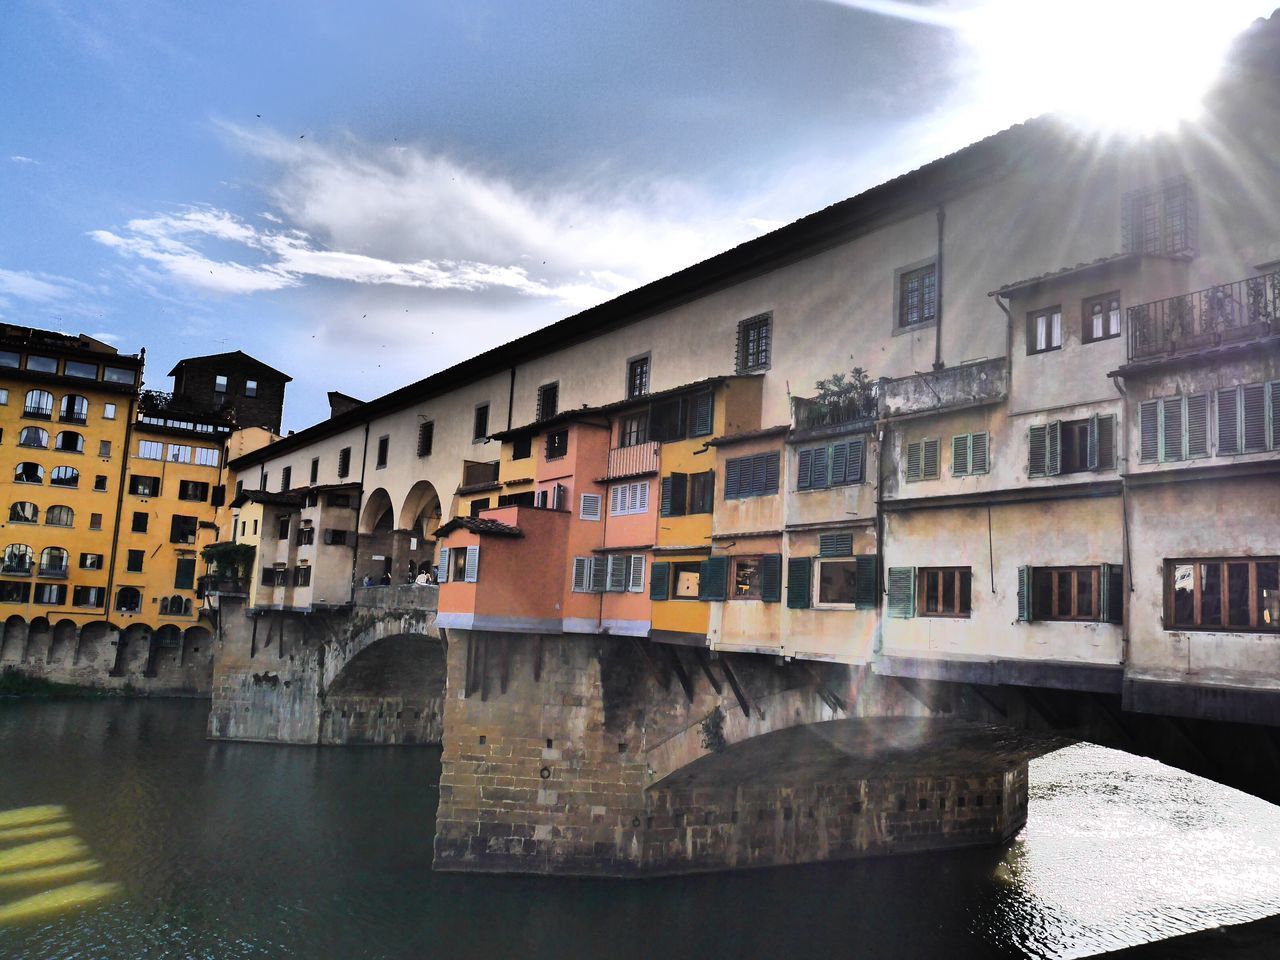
[[364, 193]]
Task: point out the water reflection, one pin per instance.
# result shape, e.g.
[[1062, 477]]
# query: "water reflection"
[[242, 850]]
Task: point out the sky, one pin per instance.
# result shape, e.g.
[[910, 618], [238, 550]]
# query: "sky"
[[362, 194]]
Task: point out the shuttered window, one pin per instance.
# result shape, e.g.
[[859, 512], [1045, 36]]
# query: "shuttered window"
[[835, 545], [629, 498], [751, 476], [590, 506], [713, 579], [1177, 428], [659, 581], [923, 459], [617, 573], [833, 465], [675, 495], [702, 414], [771, 577], [847, 582], [472, 571], [581, 574], [442, 571], [969, 454], [635, 573], [1065, 593], [799, 582], [902, 592], [344, 462]]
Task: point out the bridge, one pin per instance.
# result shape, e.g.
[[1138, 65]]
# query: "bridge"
[[619, 756]]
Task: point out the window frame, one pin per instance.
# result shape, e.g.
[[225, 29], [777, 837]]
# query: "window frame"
[[761, 323], [642, 362], [903, 276], [744, 559], [923, 575], [673, 571], [1086, 317], [815, 600], [1055, 574], [1168, 620], [1048, 314], [548, 396], [480, 423]]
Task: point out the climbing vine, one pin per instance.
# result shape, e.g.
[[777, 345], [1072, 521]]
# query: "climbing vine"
[[713, 731]]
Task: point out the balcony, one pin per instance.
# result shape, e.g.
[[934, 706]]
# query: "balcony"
[[1190, 322], [217, 584], [633, 461], [951, 388], [163, 409], [809, 414], [58, 573], [16, 569], [478, 475]]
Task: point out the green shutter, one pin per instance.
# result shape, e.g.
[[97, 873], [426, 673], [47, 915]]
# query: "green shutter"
[[1228, 421], [713, 578], [665, 508], [979, 455], [932, 459], [733, 477], [818, 475], [1091, 444], [1037, 450], [857, 459], [185, 576], [1171, 430], [1198, 425], [913, 461], [1149, 415], [902, 592], [659, 581], [960, 455], [1273, 412], [835, 545], [1254, 406], [1026, 609], [679, 494], [799, 582], [804, 469], [867, 590], [1054, 465], [702, 415], [1111, 594], [771, 577], [839, 463]]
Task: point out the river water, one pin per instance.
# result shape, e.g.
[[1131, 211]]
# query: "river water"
[[185, 848]]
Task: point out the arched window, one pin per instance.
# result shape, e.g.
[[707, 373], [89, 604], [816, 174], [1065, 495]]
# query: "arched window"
[[59, 516], [75, 409], [186, 606], [128, 600], [39, 404], [33, 437], [24, 511], [53, 562], [70, 441], [18, 558], [164, 606], [64, 477], [26, 472]]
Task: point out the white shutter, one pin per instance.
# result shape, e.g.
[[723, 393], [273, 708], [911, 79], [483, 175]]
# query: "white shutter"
[[616, 578], [581, 574], [635, 576], [590, 506], [442, 574], [640, 497], [472, 571]]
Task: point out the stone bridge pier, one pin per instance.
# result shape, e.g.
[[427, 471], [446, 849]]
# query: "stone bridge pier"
[[597, 755], [372, 673]]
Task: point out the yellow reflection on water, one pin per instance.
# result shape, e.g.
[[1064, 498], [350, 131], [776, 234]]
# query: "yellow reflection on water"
[[28, 861]]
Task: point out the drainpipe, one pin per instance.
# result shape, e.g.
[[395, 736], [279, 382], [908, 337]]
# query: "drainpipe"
[[115, 532], [355, 546], [1127, 581], [937, 322], [511, 395], [1008, 338], [878, 645]]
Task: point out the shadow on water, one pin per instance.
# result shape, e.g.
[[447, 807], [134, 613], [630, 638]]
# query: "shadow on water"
[[243, 850]]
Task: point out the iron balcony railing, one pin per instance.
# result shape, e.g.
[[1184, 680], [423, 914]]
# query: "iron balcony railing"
[[15, 568], [59, 572], [634, 460], [814, 414], [1218, 314]]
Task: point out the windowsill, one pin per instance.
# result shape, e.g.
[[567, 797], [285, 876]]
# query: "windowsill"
[[1220, 629], [833, 486], [835, 606], [1114, 336], [1036, 353], [913, 328], [946, 616]]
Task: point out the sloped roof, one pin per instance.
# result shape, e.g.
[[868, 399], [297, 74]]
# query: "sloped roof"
[[268, 497], [236, 356], [1110, 260], [479, 525]]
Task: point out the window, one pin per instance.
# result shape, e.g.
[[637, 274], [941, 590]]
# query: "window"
[[426, 437], [139, 522], [943, 591], [754, 336], [302, 575], [33, 437], [557, 444], [251, 388], [64, 477], [1101, 318], [129, 599], [629, 498], [42, 364], [335, 537], [18, 559], [624, 573], [144, 486], [344, 462], [150, 450], [969, 454], [477, 505], [4, 397], [196, 491], [27, 472], [1071, 593], [179, 453], [1071, 446], [74, 409], [306, 534], [77, 368], [68, 441], [1044, 330], [1161, 219], [702, 489], [633, 430], [119, 375], [182, 529], [282, 527], [104, 448], [90, 561], [1243, 415], [220, 383], [276, 575], [1235, 594], [831, 465], [53, 562], [59, 516], [686, 580], [184, 576], [9, 359], [100, 483], [480, 424], [548, 401], [384, 445], [751, 476], [108, 411], [675, 419], [590, 574], [684, 493], [39, 404], [95, 521], [837, 582], [746, 578], [206, 457], [88, 597], [923, 458], [24, 512], [53, 594], [11, 592], [917, 296], [590, 506], [286, 479], [638, 377]]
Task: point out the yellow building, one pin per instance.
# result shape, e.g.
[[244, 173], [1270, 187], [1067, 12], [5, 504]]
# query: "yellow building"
[[66, 403]]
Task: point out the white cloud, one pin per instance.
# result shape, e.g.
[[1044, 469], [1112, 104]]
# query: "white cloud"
[[40, 287], [19, 158]]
